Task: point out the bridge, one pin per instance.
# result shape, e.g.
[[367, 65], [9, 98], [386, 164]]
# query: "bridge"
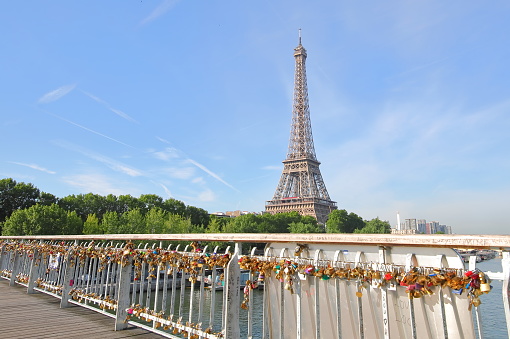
[[260, 285]]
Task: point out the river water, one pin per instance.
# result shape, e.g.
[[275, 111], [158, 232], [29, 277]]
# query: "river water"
[[491, 309]]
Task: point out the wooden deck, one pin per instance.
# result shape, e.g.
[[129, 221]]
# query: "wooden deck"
[[40, 316]]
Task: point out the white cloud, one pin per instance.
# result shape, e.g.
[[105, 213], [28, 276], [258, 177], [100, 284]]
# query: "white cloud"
[[198, 180], [111, 163], [167, 154], [272, 168], [206, 196], [90, 130], [33, 166], [55, 94], [180, 173], [212, 174], [164, 7], [96, 183], [167, 191], [114, 110]]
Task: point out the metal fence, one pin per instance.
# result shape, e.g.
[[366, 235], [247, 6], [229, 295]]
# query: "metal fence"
[[291, 286]]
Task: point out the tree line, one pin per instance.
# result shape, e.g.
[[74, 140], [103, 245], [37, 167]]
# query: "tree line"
[[25, 210]]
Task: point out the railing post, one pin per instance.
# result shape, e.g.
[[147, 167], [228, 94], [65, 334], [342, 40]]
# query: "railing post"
[[506, 287], [68, 282], [15, 267], [34, 272], [2, 256], [123, 300], [232, 279]]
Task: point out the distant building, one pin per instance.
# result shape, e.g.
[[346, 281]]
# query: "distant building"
[[232, 214], [421, 226], [410, 224]]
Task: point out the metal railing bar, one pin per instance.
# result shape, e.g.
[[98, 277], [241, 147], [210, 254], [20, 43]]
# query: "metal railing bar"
[[415, 240]]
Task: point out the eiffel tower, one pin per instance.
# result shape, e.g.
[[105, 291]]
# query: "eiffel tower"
[[301, 187]]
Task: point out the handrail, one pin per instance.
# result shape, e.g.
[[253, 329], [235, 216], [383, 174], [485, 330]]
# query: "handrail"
[[497, 242], [140, 282]]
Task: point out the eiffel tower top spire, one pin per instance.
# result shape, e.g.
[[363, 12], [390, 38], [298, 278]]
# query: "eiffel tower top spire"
[[301, 139]]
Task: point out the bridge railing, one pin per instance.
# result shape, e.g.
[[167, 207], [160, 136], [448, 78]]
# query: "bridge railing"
[[296, 286]]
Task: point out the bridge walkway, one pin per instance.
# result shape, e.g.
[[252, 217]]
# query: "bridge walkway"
[[40, 316]]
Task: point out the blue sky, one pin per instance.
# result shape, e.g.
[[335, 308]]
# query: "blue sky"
[[192, 100]]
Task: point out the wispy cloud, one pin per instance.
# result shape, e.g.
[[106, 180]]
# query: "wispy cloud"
[[211, 173], [90, 130], [206, 196], [167, 191], [95, 183], [164, 7], [167, 154], [272, 168], [171, 153], [56, 94], [107, 105], [33, 166], [113, 164]]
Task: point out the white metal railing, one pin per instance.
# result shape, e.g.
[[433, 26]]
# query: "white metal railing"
[[302, 286]]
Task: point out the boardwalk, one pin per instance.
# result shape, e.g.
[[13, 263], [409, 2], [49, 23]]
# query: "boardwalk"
[[40, 316]]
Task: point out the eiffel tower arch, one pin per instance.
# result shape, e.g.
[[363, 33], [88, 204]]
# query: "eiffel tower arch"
[[301, 187]]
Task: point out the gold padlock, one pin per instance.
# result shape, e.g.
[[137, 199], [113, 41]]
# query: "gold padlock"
[[485, 287]]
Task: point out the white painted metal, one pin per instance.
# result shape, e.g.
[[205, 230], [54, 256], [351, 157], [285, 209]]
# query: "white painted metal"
[[506, 287], [123, 301], [411, 263], [384, 296], [232, 276]]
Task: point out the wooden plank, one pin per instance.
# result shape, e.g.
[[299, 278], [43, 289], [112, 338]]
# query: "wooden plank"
[[40, 316]]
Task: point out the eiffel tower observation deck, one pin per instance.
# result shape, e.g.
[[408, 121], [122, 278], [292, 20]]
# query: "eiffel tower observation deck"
[[301, 187]]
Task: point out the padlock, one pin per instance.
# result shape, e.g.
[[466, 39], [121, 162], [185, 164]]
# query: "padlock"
[[485, 287], [476, 302]]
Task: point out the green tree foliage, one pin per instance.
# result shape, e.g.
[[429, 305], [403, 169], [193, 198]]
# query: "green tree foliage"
[[85, 204], [198, 216], [174, 206], [92, 226], [339, 221], [133, 222], [150, 201], [18, 195], [42, 220], [304, 227], [375, 226], [156, 221], [247, 223], [112, 223]]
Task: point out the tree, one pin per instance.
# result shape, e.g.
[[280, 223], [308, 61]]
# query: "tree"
[[339, 221], [198, 216], [16, 196], [155, 220], [92, 225], [150, 201], [304, 227], [128, 202], [111, 223], [42, 220], [375, 226], [133, 222], [246, 223], [174, 206]]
